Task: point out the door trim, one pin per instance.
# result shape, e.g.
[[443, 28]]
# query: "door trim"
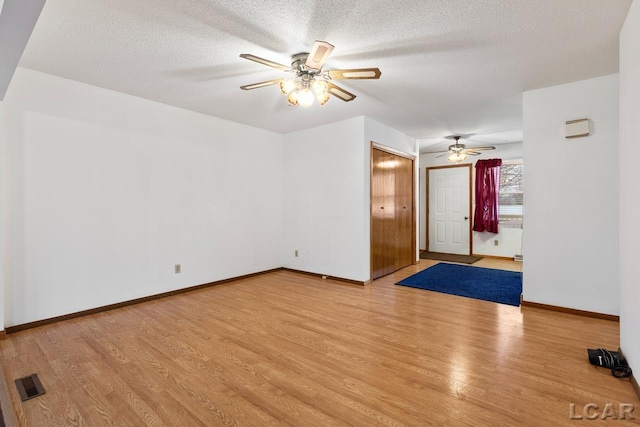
[[378, 146], [392, 151], [470, 167]]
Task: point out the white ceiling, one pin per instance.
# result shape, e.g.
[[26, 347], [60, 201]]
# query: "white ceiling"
[[448, 66]]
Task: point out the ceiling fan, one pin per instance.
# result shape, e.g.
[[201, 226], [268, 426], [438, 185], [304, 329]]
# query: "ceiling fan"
[[458, 152], [308, 79]]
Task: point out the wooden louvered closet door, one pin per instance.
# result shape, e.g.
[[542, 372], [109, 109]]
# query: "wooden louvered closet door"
[[392, 212]]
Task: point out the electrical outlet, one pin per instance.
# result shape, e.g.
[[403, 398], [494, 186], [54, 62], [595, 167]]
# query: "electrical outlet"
[[177, 269], [296, 253], [496, 242]]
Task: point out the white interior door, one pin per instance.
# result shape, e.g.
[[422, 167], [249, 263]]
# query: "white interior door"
[[449, 210]]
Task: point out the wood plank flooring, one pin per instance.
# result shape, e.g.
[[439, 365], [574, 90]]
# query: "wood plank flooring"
[[290, 349]]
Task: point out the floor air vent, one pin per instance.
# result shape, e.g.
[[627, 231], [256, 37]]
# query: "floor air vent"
[[29, 387]]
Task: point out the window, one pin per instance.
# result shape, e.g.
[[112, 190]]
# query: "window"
[[510, 209]]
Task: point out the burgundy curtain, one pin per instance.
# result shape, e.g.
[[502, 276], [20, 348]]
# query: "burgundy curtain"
[[487, 192]]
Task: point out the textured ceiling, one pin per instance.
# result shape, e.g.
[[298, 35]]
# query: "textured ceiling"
[[448, 66]]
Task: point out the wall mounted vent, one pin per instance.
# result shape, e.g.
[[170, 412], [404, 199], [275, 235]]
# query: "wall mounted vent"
[[577, 128]]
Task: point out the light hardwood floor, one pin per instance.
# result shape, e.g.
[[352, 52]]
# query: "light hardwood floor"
[[290, 349]]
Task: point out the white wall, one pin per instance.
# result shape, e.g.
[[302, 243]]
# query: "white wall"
[[327, 192], [629, 179], [107, 192], [3, 216], [509, 239], [571, 190], [17, 19], [323, 182]]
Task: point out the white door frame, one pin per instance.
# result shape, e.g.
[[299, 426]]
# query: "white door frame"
[[465, 165]]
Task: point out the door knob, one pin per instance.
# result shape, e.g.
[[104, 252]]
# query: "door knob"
[[466, 218]]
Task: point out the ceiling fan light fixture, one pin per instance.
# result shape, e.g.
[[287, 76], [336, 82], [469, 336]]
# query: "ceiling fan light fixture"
[[319, 87], [310, 81], [301, 91], [292, 98], [287, 85], [457, 157], [323, 98], [458, 152], [305, 97]]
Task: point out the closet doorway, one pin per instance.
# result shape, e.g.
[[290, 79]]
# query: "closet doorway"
[[393, 225]]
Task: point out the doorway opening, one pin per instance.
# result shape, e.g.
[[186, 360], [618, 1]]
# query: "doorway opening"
[[448, 210]]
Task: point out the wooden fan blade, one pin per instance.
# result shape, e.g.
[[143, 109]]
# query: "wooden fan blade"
[[338, 92], [435, 152], [318, 55], [264, 61], [443, 154], [472, 153], [355, 73], [488, 147], [261, 84]]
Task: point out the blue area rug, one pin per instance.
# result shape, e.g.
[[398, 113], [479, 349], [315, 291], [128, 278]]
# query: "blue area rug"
[[486, 284]]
